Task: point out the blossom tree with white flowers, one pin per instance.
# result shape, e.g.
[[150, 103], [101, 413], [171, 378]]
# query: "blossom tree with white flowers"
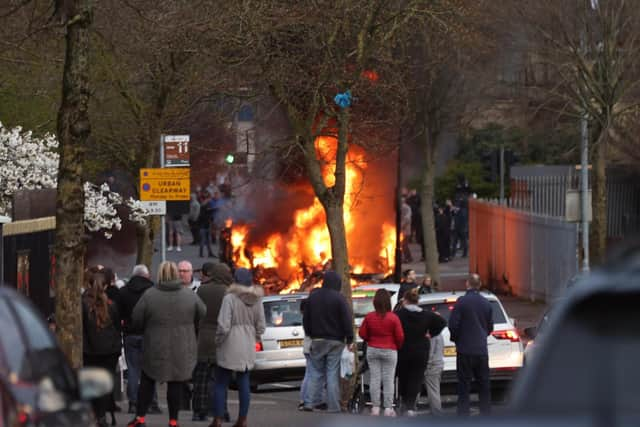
[[29, 163]]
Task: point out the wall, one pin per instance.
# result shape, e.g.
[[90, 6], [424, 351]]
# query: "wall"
[[528, 255]]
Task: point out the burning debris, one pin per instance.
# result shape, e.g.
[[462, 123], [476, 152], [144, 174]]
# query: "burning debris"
[[289, 247]]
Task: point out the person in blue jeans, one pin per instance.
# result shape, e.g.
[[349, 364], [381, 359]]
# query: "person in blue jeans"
[[241, 322], [327, 320]]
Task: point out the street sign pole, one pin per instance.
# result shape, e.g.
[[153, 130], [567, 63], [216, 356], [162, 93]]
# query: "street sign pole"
[[163, 233]]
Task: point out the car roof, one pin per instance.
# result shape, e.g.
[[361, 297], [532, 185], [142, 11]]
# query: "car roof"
[[442, 296], [282, 297], [376, 286]]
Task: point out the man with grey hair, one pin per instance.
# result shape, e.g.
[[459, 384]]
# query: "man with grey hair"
[[129, 295], [470, 323]]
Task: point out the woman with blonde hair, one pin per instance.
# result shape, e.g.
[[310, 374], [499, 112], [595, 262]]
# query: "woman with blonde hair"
[[100, 334], [167, 315]]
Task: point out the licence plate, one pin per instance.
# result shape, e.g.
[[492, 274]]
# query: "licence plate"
[[449, 351], [290, 343]]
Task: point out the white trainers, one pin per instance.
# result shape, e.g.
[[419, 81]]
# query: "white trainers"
[[375, 411], [411, 413], [389, 412], [170, 248], [179, 249]]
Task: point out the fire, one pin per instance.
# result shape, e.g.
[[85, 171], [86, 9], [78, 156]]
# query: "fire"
[[306, 246]]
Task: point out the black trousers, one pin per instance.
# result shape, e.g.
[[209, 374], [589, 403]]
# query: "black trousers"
[[106, 361], [411, 369], [145, 394], [469, 368]]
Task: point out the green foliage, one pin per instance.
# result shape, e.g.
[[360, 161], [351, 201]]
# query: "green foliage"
[[474, 172]]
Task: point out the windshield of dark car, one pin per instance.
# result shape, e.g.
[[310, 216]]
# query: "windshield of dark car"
[[445, 308], [283, 312]]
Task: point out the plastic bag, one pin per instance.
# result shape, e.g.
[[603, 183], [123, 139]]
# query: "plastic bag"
[[347, 363]]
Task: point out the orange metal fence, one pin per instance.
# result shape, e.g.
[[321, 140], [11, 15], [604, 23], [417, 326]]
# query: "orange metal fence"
[[527, 255]]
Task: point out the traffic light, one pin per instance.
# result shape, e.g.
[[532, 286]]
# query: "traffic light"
[[229, 158]]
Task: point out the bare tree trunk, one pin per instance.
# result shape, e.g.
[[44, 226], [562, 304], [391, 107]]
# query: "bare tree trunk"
[[598, 237], [428, 219], [339, 252], [73, 133], [145, 235]]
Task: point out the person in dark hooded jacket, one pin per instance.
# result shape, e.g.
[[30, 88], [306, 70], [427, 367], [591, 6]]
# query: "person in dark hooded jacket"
[[128, 298], [216, 279], [418, 326], [327, 320]]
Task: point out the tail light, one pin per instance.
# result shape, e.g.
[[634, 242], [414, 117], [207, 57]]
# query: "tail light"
[[509, 334], [259, 346]]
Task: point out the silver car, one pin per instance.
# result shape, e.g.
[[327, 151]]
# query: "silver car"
[[279, 355]]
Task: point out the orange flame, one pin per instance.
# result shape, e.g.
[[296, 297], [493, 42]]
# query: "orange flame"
[[307, 242]]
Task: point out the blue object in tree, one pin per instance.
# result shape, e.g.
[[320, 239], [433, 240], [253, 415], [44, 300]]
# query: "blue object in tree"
[[343, 100]]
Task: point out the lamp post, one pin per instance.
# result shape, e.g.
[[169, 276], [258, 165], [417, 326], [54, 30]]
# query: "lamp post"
[[3, 220]]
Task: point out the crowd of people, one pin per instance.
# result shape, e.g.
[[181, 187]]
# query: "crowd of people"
[[402, 343], [208, 211], [451, 226], [179, 330]]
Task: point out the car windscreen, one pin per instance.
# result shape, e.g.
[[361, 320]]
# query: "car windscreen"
[[445, 308], [285, 312], [362, 302]]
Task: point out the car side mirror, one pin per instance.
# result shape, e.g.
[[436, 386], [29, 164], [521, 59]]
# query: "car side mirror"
[[531, 332], [94, 383], [513, 321]]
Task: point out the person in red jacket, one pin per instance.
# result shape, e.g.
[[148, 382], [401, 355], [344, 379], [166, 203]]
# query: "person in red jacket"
[[382, 331]]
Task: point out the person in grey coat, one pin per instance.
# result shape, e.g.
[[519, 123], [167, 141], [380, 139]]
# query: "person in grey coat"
[[216, 278], [433, 374], [167, 314], [241, 323]]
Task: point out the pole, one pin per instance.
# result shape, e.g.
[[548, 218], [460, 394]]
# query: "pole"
[[1, 254], [163, 232], [502, 173], [397, 271], [584, 191]]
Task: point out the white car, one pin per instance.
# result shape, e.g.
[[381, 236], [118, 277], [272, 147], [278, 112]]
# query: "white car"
[[504, 344], [279, 355]]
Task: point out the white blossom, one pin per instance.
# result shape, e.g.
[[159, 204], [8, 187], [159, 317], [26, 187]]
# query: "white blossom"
[[29, 163]]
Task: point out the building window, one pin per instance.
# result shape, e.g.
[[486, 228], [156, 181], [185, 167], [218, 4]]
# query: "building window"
[[245, 114]]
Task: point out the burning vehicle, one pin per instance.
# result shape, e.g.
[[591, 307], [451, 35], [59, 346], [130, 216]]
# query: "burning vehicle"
[[287, 244]]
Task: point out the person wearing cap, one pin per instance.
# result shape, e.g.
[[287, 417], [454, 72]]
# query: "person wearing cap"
[[327, 320], [241, 324], [216, 278]]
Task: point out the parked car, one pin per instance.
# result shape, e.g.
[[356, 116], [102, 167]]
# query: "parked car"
[[504, 344], [534, 333], [38, 386], [279, 355]]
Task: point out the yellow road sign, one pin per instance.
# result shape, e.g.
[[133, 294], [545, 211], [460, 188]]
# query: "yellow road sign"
[[165, 184]]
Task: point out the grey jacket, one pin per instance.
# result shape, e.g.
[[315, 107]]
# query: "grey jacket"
[[240, 324], [436, 355], [167, 315], [211, 292]]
